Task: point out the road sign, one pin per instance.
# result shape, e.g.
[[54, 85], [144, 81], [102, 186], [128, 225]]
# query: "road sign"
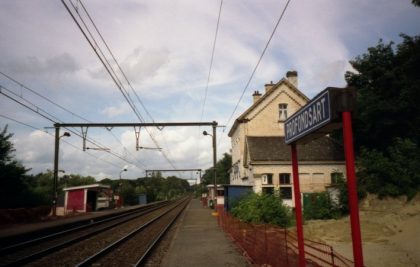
[[319, 116], [329, 110]]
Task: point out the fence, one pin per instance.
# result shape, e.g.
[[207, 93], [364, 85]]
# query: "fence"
[[275, 246]]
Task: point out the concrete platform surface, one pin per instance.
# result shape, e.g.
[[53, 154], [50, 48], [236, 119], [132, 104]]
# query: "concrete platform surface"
[[199, 241]]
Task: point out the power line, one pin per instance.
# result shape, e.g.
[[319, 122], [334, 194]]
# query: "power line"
[[258, 63], [22, 123], [110, 71], [211, 60], [76, 147], [210, 69], [54, 119], [118, 65], [43, 97], [102, 58], [59, 106]]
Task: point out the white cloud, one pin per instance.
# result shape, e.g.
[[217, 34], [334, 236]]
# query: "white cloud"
[[114, 111], [63, 64]]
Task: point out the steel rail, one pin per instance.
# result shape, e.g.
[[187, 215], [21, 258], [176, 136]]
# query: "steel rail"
[[114, 245], [156, 240], [53, 248], [20, 245]]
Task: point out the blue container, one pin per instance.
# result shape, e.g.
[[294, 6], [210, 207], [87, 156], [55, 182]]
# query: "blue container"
[[233, 193]]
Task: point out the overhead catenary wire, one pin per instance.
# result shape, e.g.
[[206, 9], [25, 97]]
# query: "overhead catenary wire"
[[210, 69], [211, 59], [98, 51], [42, 96], [111, 72], [32, 107], [116, 62], [68, 143], [258, 62], [254, 70], [19, 122], [59, 106]]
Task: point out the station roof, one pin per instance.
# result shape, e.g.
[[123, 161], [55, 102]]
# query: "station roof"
[[273, 148], [89, 186]]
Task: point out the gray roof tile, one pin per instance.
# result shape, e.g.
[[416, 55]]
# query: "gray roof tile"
[[273, 148]]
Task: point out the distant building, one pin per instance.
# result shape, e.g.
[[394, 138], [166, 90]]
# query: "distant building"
[[261, 159], [219, 195], [87, 198]]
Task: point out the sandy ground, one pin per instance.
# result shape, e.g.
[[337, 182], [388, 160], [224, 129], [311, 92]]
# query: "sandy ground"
[[390, 232]]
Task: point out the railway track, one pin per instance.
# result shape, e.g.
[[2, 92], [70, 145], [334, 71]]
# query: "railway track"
[[124, 240]]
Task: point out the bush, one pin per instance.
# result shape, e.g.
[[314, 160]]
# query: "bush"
[[393, 173], [320, 207], [262, 208]]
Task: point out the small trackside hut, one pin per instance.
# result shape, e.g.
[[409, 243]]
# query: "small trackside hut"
[[86, 198], [219, 196]]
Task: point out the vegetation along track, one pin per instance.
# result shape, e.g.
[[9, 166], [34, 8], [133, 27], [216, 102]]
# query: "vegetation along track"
[[79, 245]]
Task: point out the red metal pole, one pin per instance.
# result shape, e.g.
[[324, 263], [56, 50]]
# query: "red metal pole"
[[352, 190], [298, 207]]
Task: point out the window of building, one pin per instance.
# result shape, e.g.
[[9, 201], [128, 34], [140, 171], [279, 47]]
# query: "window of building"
[[268, 190], [282, 112], [267, 178], [286, 192], [335, 177], [284, 178]]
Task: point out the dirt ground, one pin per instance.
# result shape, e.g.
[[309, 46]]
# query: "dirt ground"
[[390, 232]]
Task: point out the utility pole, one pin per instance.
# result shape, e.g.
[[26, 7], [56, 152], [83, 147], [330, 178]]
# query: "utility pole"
[[214, 167], [55, 174]]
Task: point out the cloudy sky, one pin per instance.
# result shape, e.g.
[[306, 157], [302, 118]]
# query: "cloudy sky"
[[164, 48]]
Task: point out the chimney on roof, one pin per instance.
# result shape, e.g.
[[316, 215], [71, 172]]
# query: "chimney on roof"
[[268, 86], [256, 96], [292, 76]]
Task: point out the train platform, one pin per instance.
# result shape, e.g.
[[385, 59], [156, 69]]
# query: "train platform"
[[199, 241]]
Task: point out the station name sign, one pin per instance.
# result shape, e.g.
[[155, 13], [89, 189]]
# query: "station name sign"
[[318, 113]]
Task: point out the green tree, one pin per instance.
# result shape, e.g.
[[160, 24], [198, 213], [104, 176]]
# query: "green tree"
[[394, 172], [388, 86], [13, 190], [128, 193], [76, 180], [222, 171], [386, 128], [42, 187]]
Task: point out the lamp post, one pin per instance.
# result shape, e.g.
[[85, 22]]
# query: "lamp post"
[[55, 174], [214, 165], [119, 188]]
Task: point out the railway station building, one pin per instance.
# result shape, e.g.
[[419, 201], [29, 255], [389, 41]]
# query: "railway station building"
[[260, 157]]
